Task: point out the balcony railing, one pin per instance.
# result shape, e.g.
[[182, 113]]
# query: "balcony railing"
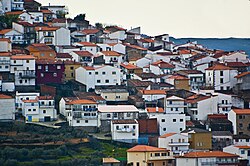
[[85, 109], [178, 144], [4, 61], [28, 74], [46, 105], [125, 130]]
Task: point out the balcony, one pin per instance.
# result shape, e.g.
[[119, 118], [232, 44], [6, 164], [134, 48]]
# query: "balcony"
[[4, 61], [125, 130], [225, 105], [155, 158], [85, 109], [47, 105], [178, 144], [28, 74]]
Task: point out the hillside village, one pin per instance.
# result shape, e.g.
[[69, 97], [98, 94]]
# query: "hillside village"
[[176, 104]]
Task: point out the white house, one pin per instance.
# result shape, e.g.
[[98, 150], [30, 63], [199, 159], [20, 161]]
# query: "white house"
[[125, 130], [24, 96], [23, 67], [53, 36], [79, 112], [152, 95], [14, 36], [175, 104], [111, 57], [87, 46], [199, 106], [117, 33], [175, 142], [207, 158], [5, 62], [84, 57], [169, 123], [12, 5], [240, 121], [221, 77], [243, 151], [115, 112], [37, 16], [41, 109], [7, 108], [5, 45], [234, 57], [161, 67], [93, 76]]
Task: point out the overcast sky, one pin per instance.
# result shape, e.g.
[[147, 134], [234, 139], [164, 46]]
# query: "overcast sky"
[[178, 18]]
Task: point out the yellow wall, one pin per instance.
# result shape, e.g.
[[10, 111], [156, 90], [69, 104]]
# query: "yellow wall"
[[201, 141], [182, 84], [69, 71]]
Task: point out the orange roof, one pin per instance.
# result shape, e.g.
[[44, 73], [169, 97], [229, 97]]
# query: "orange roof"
[[30, 101], [205, 154], [167, 135], [111, 53], [135, 47], [185, 52], [5, 54], [3, 96], [46, 28], [90, 31], [219, 67], [14, 13], [146, 40], [145, 148], [83, 53], [242, 74], [81, 101], [196, 98], [4, 31], [21, 57], [129, 66], [110, 160], [243, 147], [87, 44], [112, 44], [45, 97], [88, 68], [163, 64], [47, 11], [5, 39], [153, 92], [154, 110], [178, 77], [242, 111]]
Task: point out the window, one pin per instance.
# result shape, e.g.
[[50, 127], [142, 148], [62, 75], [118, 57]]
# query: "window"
[[34, 109], [163, 154], [170, 102], [27, 68], [117, 127], [174, 120], [78, 121], [221, 88], [137, 164], [176, 109], [98, 81], [39, 67], [221, 73], [113, 72], [14, 61], [108, 115], [134, 126], [157, 154], [29, 109], [115, 115], [54, 74], [164, 129], [20, 81], [90, 73], [240, 116], [180, 129], [221, 80], [163, 120], [181, 120], [106, 81], [15, 68], [58, 67], [86, 121], [46, 68], [240, 125], [44, 111], [6, 67], [25, 81], [96, 73], [103, 73], [71, 68], [42, 75], [133, 134], [242, 151], [128, 114]]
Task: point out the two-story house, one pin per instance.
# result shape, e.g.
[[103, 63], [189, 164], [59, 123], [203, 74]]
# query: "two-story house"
[[84, 57], [240, 120], [28, 31], [161, 67], [14, 36], [196, 78]]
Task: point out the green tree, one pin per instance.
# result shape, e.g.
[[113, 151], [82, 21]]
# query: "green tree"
[[80, 17], [6, 21], [99, 25]]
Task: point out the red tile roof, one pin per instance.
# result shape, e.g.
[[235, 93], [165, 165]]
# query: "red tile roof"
[[154, 110], [243, 147], [3, 96], [21, 57], [14, 13], [153, 92], [111, 53], [242, 74], [163, 64], [46, 28], [45, 97], [236, 64], [145, 148], [87, 44], [83, 53], [90, 31], [89, 68], [80, 101], [135, 47], [178, 77], [196, 98], [4, 31], [242, 111], [167, 135], [129, 66], [205, 154], [146, 40], [46, 11], [5, 39], [63, 55], [219, 67]]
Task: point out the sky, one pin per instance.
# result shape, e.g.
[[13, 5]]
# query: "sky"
[[178, 18]]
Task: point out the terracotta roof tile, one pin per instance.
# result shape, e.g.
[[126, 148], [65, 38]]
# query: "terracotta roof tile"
[[154, 110], [167, 135], [45, 97], [242, 74], [21, 57], [205, 154], [242, 111], [126, 121], [84, 53], [90, 31], [111, 53], [80, 101], [145, 148], [46, 28], [87, 44], [146, 40], [153, 92], [163, 64], [129, 66], [219, 67], [4, 31], [243, 147], [135, 47], [196, 98], [63, 55], [236, 64], [3, 96]]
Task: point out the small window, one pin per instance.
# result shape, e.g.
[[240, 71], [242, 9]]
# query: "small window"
[[29, 109], [71, 68], [34, 109], [44, 111], [128, 114], [108, 115], [39, 67], [78, 121], [174, 120], [134, 126], [103, 73], [90, 73], [27, 61], [221, 80], [42, 75], [86, 121], [98, 81], [54, 74], [106, 81], [58, 67], [14, 61], [242, 152], [181, 120], [164, 129], [221, 73], [117, 127], [157, 154], [133, 134], [113, 72], [162, 120], [96, 73]]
